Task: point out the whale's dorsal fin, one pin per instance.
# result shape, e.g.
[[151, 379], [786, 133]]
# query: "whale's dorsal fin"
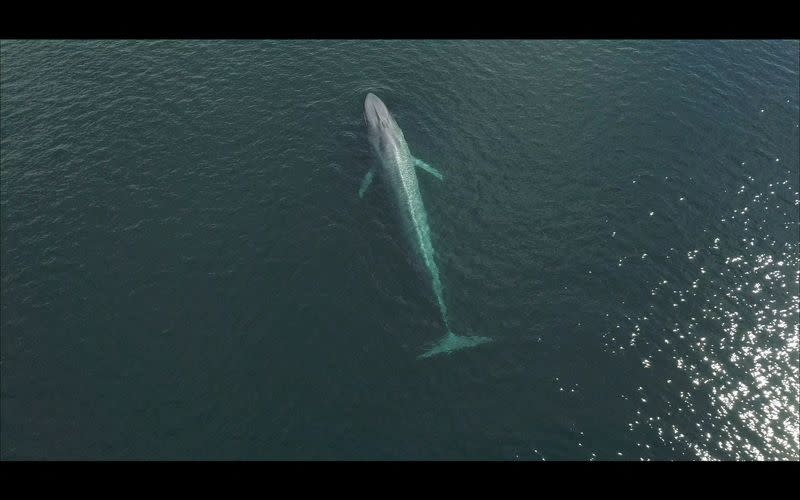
[[424, 166]]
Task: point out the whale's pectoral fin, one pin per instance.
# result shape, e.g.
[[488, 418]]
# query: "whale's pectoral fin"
[[366, 182], [424, 166]]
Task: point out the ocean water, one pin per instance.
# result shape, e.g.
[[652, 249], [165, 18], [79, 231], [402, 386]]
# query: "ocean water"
[[188, 272]]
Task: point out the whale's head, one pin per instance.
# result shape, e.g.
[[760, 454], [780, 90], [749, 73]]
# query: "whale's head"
[[382, 128]]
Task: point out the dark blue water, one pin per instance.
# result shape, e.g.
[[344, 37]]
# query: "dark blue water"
[[188, 272]]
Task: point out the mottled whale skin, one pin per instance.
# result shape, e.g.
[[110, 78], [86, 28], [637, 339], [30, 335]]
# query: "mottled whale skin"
[[398, 168]]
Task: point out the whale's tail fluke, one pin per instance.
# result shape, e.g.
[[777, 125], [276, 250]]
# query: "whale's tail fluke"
[[452, 342]]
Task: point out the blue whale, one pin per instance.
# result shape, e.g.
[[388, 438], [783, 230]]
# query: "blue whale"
[[398, 168]]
